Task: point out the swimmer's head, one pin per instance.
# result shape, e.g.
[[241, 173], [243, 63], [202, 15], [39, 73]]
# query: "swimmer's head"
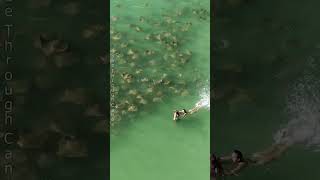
[[175, 115], [237, 156]]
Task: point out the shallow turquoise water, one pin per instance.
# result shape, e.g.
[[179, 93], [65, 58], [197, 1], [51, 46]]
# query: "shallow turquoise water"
[[151, 145]]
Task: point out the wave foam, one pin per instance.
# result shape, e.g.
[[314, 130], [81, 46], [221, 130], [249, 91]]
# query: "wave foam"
[[303, 108], [204, 101]]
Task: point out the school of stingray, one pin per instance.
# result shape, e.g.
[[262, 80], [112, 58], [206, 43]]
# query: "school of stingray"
[[148, 60], [58, 106]]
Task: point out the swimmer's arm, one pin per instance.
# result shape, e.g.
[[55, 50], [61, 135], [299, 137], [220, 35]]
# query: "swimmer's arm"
[[174, 116], [236, 170], [264, 158], [225, 159]]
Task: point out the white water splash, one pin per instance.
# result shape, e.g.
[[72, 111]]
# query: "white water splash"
[[204, 101], [303, 107]]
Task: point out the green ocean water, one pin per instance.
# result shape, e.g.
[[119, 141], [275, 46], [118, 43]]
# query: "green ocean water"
[[261, 50], [149, 145], [38, 81]]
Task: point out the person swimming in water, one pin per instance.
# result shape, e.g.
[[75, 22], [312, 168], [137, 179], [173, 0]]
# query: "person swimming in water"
[[177, 115], [238, 163]]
